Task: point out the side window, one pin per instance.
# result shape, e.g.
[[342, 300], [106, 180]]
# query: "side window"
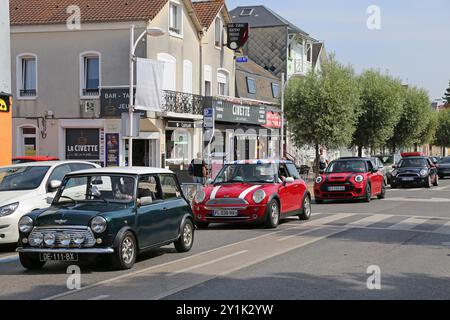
[[148, 187], [283, 172], [293, 171], [59, 172], [169, 187], [370, 165]]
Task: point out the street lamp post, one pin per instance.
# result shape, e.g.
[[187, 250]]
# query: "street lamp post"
[[283, 84], [151, 31]]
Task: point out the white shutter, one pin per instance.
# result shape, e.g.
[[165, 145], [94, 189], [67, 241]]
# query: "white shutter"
[[170, 71], [187, 76]]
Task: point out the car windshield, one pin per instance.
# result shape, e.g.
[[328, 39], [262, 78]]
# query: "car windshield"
[[253, 173], [387, 160], [445, 160], [21, 178], [356, 166], [103, 188], [413, 163]]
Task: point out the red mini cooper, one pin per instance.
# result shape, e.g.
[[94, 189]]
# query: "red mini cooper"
[[350, 178], [259, 191]]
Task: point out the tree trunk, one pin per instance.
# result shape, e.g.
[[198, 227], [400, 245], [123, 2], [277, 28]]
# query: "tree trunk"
[[360, 151], [317, 161]]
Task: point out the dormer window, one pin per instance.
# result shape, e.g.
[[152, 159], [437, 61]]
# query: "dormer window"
[[176, 19], [246, 12]]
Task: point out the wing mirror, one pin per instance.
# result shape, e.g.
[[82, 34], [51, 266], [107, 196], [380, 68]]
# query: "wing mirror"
[[209, 182], [288, 180], [54, 185], [145, 201]]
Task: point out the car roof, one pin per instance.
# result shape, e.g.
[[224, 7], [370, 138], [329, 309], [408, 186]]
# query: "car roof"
[[36, 158], [123, 170], [353, 158], [260, 161], [48, 163]]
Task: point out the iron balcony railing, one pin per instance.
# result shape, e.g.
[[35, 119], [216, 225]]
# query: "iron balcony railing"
[[180, 102], [91, 92], [28, 93]]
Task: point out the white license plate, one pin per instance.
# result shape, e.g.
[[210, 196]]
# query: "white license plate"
[[408, 179], [225, 213], [56, 256], [339, 188]]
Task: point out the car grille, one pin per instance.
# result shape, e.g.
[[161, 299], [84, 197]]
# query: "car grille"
[[348, 186], [226, 202], [408, 175], [72, 232]]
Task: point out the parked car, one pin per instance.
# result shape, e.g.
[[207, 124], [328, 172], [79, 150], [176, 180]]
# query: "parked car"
[[25, 187], [444, 168], [350, 178], [388, 162], [415, 169], [257, 192], [111, 212], [27, 159]]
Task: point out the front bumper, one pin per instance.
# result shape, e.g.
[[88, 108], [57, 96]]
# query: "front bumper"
[[398, 181], [249, 214], [68, 250], [353, 191], [9, 232], [444, 172]]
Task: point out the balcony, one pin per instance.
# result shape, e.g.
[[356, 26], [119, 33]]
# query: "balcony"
[[91, 92], [302, 66], [180, 102], [28, 93]]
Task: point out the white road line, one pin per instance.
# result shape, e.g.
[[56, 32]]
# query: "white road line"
[[404, 199], [445, 229], [206, 263], [99, 297], [298, 234], [407, 224], [10, 258], [441, 188], [369, 220]]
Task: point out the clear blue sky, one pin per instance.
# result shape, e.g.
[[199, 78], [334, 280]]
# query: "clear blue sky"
[[413, 43]]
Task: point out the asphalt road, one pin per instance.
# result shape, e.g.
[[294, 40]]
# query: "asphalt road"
[[406, 235]]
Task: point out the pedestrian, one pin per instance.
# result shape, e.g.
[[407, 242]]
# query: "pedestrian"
[[322, 162], [198, 170]]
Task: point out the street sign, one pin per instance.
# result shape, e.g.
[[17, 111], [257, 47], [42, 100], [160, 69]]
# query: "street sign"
[[5, 102], [242, 59], [180, 124], [208, 118], [237, 35]]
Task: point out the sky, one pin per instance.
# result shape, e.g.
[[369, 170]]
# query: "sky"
[[413, 42]]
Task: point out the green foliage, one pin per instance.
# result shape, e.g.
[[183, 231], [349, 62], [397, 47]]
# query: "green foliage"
[[414, 120], [382, 103], [442, 137], [322, 108], [428, 135]]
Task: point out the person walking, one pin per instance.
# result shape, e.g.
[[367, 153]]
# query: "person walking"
[[198, 170]]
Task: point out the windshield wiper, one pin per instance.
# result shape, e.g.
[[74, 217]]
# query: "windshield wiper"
[[97, 197]]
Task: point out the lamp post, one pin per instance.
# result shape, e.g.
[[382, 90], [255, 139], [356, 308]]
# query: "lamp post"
[[151, 31], [283, 85]]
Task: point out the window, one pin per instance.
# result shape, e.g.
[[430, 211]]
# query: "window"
[[222, 83], [178, 147], [207, 88], [275, 90], [293, 171], [148, 188], [251, 86], [218, 33], [169, 186], [246, 12], [29, 141], [90, 74], [175, 19], [170, 71], [187, 76], [308, 52], [27, 76]]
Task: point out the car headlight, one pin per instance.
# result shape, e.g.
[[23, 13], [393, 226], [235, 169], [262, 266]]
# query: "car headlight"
[[200, 197], [423, 172], [8, 210], [79, 239], [36, 240], [319, 179], [98, 224], [394, 173], [359, 178], [25, 224], [49, 239], [64, 239], [259, 196]]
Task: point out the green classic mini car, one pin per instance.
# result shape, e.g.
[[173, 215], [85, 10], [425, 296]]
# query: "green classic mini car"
[[115, 213]]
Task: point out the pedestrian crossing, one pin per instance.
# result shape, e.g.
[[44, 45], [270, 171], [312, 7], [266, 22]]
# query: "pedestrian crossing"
[[436, 225]]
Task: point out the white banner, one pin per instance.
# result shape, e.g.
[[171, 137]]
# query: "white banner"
[[149, 84]]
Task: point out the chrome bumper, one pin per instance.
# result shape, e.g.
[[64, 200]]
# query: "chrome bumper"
[[68, 250]]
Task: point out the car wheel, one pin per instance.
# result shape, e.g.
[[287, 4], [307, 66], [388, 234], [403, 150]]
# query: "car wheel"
[[30, 262], [125, 253], [202, 225], [382, 195], [186, 240], [306, 208], [273, 214], [368, 194], [436, 182]]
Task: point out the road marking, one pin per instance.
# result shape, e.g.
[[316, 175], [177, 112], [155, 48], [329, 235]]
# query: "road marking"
[[369, 220], [407, 224], [99, 297], [404, 199], [441, 188], [206, 263], [10, 258], [444, 229], [296, 235]]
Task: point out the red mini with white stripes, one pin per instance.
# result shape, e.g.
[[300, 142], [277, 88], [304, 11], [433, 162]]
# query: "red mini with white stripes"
[[258, 191]]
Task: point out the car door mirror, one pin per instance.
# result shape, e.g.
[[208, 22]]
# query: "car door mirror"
[[209, 182], [54, 185], [145, 201], [288, 180], [50, 200]]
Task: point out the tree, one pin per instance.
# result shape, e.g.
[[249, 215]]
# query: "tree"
[[442, 137], [428, 134], [414, 119], [321, 108], [382, 101], [446, 96]]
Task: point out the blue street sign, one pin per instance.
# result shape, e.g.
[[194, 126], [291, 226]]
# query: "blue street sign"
[[241, 59]]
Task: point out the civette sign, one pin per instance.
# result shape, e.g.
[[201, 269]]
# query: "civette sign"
[[82, 144]]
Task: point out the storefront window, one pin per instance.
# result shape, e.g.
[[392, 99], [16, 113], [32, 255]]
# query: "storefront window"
[[178, 147]]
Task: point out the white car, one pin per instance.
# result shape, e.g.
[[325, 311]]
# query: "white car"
[[26, 187]]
